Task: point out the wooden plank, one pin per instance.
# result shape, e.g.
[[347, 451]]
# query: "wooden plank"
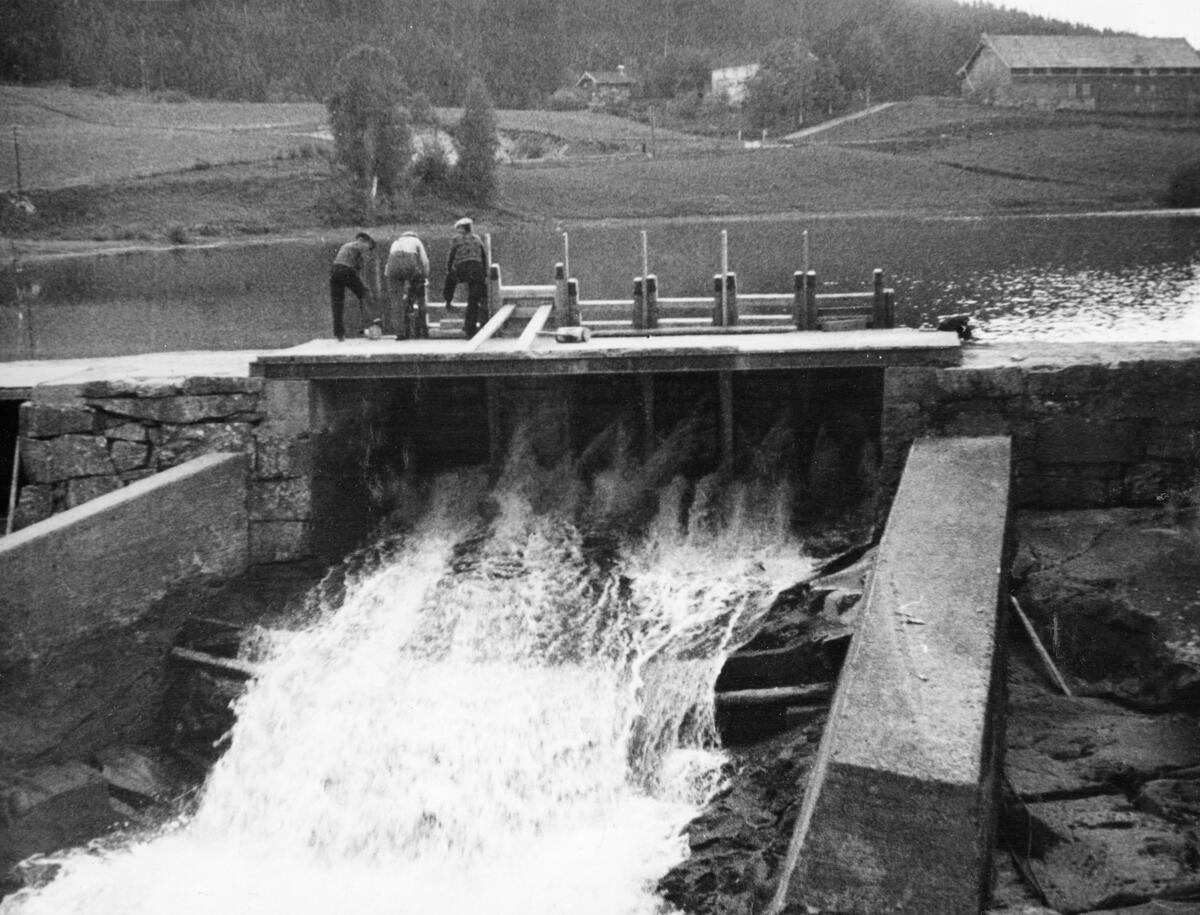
[[534, 327], [486, 332], [241, 670]]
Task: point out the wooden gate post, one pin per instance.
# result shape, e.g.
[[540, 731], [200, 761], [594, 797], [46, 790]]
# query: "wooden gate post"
[[879, 307], [651, 301]]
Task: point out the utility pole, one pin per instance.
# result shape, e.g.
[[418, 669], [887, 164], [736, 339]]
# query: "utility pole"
[[17, 158]]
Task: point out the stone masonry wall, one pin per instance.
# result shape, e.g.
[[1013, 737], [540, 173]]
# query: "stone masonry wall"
[[82, 441], [79, 442], [1092, 424]]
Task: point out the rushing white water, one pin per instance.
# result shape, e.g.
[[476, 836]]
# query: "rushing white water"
[[495, 717]]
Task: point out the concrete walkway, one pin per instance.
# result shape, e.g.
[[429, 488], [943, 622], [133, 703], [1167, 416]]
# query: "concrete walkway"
[[18, 379]]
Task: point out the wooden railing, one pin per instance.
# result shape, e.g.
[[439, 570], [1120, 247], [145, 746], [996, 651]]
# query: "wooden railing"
[[647, 312]]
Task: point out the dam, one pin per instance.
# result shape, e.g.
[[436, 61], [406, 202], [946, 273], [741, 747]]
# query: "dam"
[[326, 439]]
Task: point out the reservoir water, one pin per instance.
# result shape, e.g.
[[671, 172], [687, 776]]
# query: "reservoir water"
[[1084, 277], [505, 707]]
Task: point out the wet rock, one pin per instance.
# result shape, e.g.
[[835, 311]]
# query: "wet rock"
[[739, 840], [1177, 800], [198, 712], [1060, 745], [141, 776], [1105, 853], [51, 807], [1010, 893], [1114, 595], [1156, 907]]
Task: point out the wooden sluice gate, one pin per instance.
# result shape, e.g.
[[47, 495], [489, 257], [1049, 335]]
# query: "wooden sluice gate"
[[569, 367]]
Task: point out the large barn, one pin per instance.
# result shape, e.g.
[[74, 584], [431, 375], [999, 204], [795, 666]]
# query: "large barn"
[[1090, 73]]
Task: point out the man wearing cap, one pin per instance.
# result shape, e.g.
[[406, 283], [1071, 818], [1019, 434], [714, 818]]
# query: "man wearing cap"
[[406, 271], [468, 264], [346, 273]]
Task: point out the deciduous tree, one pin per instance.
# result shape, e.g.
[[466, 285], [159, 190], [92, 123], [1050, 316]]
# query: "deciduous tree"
[[371, 132]]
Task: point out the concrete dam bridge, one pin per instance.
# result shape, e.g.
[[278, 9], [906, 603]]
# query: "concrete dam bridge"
[[913, 736]]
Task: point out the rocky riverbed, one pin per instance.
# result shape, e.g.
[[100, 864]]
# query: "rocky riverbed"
[[1100, 807], [1100, 804]]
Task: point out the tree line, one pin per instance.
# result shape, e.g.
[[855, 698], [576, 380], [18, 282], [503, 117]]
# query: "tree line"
[[522, 50]]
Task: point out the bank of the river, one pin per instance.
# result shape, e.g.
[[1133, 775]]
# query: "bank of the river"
[[923, 157]]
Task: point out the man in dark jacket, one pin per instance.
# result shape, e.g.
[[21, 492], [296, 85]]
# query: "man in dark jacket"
[[346, 273], [468, 264]]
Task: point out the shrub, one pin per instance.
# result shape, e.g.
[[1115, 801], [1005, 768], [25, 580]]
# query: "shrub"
[[421, 109], [1184, 190], [431, 168], [568, 100], [341, 201], [685, 107], [177, 235], [171, 96], [532, 146]]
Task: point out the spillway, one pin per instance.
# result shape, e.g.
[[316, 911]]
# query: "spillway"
[[503, 706]]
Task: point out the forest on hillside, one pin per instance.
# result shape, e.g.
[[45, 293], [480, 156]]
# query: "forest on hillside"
[[287, 50]]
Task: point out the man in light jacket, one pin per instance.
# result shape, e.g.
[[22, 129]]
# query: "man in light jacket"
[[406, 273]]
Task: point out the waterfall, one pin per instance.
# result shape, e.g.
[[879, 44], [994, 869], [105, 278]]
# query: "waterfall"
[[503, 707]]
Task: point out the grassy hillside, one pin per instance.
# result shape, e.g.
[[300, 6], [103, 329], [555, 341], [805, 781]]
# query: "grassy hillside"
[[130, 169]]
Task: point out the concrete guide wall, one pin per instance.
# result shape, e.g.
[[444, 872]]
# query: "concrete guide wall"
[[898, 811], [105, 561]]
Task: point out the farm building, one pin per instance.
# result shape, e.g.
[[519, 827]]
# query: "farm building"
[[606, 86], [731, 81], [1090, 73]]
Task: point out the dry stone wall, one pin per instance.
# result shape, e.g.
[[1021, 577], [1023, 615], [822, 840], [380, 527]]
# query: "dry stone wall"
[[79, 442], [1093, 425]]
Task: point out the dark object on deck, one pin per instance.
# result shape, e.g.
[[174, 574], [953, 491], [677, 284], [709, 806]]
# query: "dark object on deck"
[[960, 324]]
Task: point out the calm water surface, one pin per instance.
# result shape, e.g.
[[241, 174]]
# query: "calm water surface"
[[1103, 277]]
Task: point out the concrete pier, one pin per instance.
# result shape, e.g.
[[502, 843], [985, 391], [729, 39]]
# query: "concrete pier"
[[897, 814]]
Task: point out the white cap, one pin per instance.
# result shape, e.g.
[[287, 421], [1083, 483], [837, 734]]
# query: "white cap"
[[465, 222]]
